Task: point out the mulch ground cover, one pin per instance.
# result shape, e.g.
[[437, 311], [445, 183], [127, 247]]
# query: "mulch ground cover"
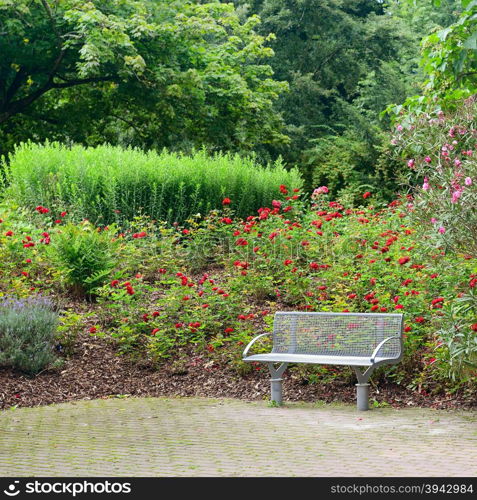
[[95, 370]]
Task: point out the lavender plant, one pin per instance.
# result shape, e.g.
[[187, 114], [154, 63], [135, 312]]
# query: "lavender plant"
[[27, 333]]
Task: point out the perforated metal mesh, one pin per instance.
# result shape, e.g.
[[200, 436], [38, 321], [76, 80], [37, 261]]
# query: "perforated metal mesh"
[[336, 334]]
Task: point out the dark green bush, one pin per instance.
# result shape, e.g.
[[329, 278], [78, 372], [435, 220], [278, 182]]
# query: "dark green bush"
[[27, 333], [109, 184]]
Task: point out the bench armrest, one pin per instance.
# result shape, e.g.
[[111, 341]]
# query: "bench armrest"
[[253, 342], [378, 347]]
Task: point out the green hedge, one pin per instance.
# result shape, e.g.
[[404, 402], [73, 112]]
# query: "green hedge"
[[109, 184]]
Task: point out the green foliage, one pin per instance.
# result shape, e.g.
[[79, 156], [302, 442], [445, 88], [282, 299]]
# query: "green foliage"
[[174, 73], [107, 184], [344, 61], [27, 334], [449, 58], [71, 324], [347, 166], [459, 332], [449, 62], [85, 255]]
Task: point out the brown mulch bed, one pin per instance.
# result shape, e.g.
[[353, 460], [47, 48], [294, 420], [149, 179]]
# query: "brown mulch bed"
[[96, 371]]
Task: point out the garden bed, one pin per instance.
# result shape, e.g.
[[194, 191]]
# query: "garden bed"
[[96, 371]]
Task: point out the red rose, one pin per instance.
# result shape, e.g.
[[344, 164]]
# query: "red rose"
[[226, 201]]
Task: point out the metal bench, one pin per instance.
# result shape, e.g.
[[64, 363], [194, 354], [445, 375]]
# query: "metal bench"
[[357, 340]]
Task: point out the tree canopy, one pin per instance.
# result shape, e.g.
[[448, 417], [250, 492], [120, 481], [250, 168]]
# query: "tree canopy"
[[302, 79], [174, 73]]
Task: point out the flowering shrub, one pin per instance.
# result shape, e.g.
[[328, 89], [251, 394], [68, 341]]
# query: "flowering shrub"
[[289, 256], [27, 333], [439, 151], [440, 154], [214, 284]]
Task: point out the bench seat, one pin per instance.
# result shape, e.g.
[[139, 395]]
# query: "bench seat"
[[274, 357]]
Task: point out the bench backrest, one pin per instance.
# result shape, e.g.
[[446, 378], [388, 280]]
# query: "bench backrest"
[[339, 334]]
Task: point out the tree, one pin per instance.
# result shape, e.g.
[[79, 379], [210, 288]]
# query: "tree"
[[173, 73], [344, 62], [448, 62]]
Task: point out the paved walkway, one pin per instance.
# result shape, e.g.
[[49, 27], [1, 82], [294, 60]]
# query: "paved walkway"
[[205, 437]]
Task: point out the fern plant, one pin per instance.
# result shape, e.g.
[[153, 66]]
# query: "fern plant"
[[85, 256]]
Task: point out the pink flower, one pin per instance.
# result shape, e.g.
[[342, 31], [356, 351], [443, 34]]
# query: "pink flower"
[[456, 195], [410, 163], [468, 181], [425, 186], [399, 127], [320, 190], [427, 159], [442, 230]]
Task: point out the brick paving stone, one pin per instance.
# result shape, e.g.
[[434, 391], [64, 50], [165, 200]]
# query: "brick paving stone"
[[174, 437]]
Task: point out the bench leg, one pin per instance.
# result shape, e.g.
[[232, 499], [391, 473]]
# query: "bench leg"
[[362, 396], [276, 390], [362, 388], [276, 381]]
